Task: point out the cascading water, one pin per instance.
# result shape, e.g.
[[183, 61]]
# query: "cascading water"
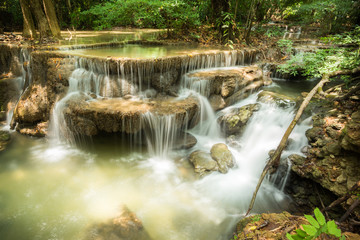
[[21, 82], [160, 189]]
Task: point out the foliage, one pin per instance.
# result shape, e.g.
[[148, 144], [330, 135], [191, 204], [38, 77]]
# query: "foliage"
[[331, 15], [141, 13], [286, 45], [323, 61], [9, 13], [316, 227]]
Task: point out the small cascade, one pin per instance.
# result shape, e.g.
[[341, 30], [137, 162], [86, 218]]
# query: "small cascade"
[[21, 82], [293, 33], [161, 132], [198, 85]]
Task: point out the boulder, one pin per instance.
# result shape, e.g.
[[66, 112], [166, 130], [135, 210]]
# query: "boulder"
[[225, 83], [279, 99], [33, 105], [185, 141], [223, 156], [217, 102], [203, 163], [126, 226], [234, 122]]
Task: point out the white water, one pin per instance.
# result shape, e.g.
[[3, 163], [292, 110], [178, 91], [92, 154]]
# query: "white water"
[[20, 82]]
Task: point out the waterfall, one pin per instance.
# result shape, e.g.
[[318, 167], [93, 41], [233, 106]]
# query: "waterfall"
[[21, 82], [160, 132]]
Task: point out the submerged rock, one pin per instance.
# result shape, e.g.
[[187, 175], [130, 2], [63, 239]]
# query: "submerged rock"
[[126, 226], [234, 122], [279, 99]]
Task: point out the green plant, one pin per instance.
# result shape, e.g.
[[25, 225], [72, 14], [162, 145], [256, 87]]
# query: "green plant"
[[316, 227], [286, 45]]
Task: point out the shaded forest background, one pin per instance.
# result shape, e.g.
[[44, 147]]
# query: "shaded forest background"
[[231, 19]]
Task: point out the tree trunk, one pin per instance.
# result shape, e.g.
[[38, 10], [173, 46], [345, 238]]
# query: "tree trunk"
[[274, 161], [52, 19], [29, 30], [42, 23]]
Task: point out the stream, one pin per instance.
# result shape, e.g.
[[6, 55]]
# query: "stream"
[[50, 189]]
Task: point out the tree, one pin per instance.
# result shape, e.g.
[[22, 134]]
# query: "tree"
[[43, 12], [29, 30]]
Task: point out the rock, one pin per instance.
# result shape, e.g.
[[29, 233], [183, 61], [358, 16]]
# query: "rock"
[[217, 102], [38, 130], [122, 115], [126, 226], [279, 99], [233, 141], [297, 159], [33, 105], [351, 140], [234, 122], [223, 156], [274, 226], [203, 163], [185, 142], [4, 139]]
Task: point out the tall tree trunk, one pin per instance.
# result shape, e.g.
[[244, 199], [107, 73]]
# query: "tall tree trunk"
[[29, 26], [52, 19], [42, 23]]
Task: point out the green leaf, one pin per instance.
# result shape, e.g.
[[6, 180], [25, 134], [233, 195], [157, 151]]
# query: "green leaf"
[[319, 216], [301, 233], [333, 229], [310, 230], [289, 236], [312, 221]]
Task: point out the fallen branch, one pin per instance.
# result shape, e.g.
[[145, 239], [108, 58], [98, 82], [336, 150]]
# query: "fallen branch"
[[351, 208], [274, 161], [343, 198]]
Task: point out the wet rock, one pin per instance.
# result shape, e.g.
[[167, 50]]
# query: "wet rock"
[[279, 99], [217, 102], [4, 139], [223, 156], [122, 115], [126, 226], [37, 130], [233, 141], [33, 105], [185, 141], [203, 163], [234, 122]]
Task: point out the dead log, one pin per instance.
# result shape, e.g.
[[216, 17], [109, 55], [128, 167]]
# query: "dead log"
[[274, 161]]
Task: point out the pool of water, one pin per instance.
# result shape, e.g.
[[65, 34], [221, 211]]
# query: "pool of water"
[[92, 37], [141, 51]]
